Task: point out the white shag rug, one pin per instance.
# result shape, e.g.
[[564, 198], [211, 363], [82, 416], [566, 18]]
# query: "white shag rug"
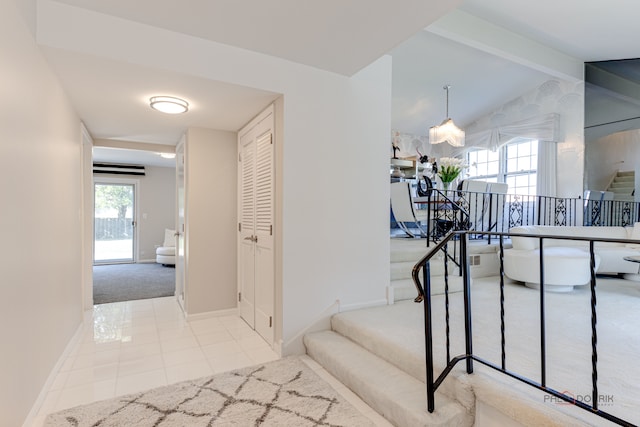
[[281, 393]]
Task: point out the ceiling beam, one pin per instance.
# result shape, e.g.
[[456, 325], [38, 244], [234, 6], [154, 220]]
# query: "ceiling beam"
[[469, 30]]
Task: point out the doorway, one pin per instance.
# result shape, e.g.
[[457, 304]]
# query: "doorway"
[[256, 259], [114, 221]]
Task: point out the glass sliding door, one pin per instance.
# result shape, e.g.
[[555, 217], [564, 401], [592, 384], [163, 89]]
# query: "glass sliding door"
[[114, 222]]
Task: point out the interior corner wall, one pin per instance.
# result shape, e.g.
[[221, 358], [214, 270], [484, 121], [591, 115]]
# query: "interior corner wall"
[[210, 167], [40, 162], [157, 210]]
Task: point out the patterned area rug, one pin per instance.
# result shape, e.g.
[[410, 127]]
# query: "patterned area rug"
[[281, 393]]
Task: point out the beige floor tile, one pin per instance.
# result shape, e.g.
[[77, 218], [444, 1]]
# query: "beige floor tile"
[[179, 343], [140, 351], [92, 374], [186, 355], [207, 326], [188, 371], [228, 348], [262, 355], [96, 359], [214, 338], [87, 393], [229, 363], [140, 365], [140, 382]]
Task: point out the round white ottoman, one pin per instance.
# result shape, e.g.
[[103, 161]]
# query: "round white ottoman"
[[564, 267]]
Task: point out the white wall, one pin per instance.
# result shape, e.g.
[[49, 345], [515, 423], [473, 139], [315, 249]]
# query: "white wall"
[[211, 163], [334, 160], [336, 195], [156, 210], [41, 304]]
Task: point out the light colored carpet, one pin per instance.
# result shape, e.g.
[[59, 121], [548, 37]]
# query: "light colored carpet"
[[281, 393], [396, 334], [127, 282]]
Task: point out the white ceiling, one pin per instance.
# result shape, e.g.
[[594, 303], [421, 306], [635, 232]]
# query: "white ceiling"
[[342, 37]]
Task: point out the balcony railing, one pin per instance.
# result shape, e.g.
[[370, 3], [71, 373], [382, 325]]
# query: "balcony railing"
[[422, 280], [493, 212]]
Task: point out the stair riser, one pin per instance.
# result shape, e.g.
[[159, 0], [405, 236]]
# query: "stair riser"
[[390, 391]]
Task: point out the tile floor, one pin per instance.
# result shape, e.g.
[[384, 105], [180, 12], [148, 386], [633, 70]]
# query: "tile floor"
[[137, 345]]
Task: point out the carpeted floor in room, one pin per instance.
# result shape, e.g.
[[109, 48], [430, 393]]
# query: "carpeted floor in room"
[[126, 282]]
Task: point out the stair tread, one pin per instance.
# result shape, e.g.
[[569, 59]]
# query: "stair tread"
[[395, 394]]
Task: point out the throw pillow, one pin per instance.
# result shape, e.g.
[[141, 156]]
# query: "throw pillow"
[[169, 238]]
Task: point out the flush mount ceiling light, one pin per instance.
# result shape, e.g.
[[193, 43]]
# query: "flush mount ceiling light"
[[167, 155], [169, 104], [447, 131]]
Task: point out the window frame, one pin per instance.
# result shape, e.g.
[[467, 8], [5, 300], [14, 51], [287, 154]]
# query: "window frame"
[[503, 174]]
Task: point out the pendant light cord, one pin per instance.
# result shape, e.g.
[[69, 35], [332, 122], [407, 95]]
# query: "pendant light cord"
[[446, 87]]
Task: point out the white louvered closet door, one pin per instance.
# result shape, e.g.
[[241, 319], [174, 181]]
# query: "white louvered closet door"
[[256, 211]]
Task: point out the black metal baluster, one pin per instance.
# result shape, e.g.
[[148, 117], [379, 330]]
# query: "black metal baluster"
[[467, 302], [543, 344], [446, 302], [504, 356], [428, 340], [594, 332]]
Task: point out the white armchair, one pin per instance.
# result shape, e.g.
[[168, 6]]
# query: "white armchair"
[[166, 254]]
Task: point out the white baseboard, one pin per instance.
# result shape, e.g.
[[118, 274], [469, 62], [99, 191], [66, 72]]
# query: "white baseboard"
[[295, 346], [52, 375], [210, 314], [278, 347]]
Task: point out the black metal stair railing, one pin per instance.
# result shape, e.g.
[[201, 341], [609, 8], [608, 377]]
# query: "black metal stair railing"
[[424, 295], [492, 212]]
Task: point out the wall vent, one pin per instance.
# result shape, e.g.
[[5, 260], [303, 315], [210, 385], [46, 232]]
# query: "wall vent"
[[118, 169], [474, 260]]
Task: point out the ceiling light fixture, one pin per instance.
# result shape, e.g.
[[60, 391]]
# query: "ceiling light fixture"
[[169, 104], [447, 131], [168, 155]]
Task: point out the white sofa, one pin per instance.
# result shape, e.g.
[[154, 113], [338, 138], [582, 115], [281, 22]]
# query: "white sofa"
[[567, 262], [166, 254]]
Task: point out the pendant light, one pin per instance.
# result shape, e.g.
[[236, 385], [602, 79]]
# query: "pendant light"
[[447, 131]]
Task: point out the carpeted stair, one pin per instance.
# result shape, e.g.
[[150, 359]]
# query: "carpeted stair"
[[404, 255], [382, 361], [378, 353], [396, 395]]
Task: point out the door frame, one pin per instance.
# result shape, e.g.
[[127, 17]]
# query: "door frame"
[[181, 235], [136, 234]]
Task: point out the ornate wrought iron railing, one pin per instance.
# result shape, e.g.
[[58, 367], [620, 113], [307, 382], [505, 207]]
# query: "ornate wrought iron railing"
[[423, 288], [484, 212], [493, 212]]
